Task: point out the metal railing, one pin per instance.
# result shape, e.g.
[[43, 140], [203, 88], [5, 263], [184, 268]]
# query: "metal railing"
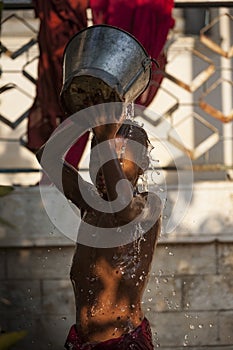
[[24, 49], [14, 5]]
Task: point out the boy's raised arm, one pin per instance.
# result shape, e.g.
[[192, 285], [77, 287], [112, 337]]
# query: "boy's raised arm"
[[64, 176]]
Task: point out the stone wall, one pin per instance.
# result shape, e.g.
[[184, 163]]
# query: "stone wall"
[[192, 304], [189, 298], [36, 295]]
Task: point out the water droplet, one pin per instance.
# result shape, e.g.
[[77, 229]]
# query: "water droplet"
[[64, 318], [191, 326], [129, 110], [122, 270], [170, 253], [200, 326]]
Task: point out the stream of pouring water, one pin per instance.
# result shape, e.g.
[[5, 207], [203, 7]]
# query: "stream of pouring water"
[[154, 171], [129, 113]]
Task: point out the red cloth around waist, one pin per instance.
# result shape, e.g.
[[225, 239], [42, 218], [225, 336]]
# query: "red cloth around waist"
[[138, 339]]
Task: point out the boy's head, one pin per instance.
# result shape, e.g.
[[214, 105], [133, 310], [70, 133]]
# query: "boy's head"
[[133, 156]]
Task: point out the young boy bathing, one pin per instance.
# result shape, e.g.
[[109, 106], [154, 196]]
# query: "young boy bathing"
[[109, 281]]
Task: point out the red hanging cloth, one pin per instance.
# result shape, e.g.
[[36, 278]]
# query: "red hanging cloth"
[[59, 21], [148, 20]]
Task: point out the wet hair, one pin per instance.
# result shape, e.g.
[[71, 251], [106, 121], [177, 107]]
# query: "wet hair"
[[133, 131]]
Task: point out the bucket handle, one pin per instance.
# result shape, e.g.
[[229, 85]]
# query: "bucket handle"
[[145, 64], [156, 62]]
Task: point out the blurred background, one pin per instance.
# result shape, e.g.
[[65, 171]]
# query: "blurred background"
[[189, 120]]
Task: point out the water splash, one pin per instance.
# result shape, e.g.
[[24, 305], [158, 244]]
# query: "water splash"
[[122, 152], [129, 110], [139, 232], [143, 183], [156, 176]]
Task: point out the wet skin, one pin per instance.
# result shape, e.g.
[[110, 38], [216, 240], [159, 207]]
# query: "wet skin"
[[108, 285], [108, 282]]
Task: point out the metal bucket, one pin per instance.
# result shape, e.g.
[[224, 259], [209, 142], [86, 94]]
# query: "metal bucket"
[[106, 60]]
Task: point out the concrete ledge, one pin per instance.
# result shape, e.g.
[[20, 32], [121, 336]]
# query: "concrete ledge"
[[208, 217], [24, 221]]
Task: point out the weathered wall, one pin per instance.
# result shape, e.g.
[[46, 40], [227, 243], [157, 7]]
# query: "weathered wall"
[[192, 295], [189, 298]]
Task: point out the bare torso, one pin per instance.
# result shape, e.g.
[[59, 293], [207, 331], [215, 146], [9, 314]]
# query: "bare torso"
[[109, 283]]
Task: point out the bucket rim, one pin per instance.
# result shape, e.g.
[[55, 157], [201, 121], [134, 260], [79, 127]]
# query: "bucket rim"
[[106, 26]]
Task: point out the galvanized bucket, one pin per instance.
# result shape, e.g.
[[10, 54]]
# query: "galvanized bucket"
[[106, 59]]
